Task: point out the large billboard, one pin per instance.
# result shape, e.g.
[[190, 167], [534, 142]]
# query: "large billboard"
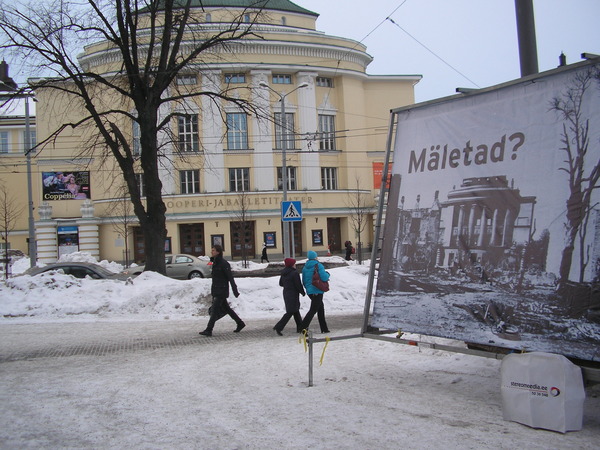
[[492, 228], [65, 185]]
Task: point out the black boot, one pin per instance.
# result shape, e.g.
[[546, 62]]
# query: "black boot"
[[240, 327], [206, 333], [278, 331]]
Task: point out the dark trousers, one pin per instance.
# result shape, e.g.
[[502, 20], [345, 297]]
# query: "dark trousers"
[[285, 319], [220, 307], [316, 307]]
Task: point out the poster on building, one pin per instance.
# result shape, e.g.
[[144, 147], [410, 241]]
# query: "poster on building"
[[65, 185], [492, 228]]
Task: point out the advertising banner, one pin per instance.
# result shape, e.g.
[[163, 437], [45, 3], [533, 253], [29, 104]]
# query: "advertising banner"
[[65, 186], [492, 228]]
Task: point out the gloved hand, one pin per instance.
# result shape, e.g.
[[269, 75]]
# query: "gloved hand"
[[236, 294]]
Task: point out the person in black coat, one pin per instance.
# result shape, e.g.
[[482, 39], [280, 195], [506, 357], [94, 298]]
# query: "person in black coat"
[[263, 256], [348, 251], [221, 279], [292, 288]]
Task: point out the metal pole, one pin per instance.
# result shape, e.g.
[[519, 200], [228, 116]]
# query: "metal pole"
[[310, 359], [284, 178], [293, 242], [526, 34], [32, 243]]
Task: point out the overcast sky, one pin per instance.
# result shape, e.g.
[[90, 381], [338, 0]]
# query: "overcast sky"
[[476, 39]]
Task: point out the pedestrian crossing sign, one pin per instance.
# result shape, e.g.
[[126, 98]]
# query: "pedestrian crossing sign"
[[291, 211]]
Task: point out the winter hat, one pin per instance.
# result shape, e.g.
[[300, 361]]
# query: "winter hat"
[[289, 262], [311, 254]]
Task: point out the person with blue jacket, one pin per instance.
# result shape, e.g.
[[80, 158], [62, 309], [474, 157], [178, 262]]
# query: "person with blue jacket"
[[316, 295]]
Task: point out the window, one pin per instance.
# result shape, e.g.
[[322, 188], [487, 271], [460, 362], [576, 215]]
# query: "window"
[[284, 132], [291, 178], [239, 179], [188, 133], [237, 131], [3, 141], [187, 79], [139, 179], [32, 139], [328, 178], [283, 20], [324, 82], [235, 78], [208, 17], [135, 144], [247, 18], [190, 181], [282, 79], [326, 132]]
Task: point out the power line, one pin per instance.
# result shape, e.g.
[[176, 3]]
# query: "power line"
[[432, 52]]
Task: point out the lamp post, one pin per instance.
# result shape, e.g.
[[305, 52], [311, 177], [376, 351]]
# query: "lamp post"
[[284, 175], [8, 85]]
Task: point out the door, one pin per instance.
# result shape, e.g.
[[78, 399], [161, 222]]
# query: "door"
[[334, 235], [242, 239], [139, 250], [191, 239]]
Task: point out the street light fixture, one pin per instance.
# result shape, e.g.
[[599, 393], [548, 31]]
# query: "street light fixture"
[[284, 175], [7, 84]]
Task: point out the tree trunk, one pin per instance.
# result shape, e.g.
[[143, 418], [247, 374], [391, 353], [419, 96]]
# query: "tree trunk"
[[567, 254]]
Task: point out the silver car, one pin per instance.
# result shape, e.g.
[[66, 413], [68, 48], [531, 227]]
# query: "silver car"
[[179, 266], [78, 270]]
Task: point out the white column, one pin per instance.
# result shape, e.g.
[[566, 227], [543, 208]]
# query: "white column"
[[89, 240], [493, 238], [47, 244], [482, 228], [265, 175], [215, 178], [471, 224], [308, 126]]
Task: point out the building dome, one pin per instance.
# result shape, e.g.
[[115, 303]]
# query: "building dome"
[[275, 5]]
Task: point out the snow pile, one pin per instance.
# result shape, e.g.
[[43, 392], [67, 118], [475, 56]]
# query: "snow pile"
[[54, 296]]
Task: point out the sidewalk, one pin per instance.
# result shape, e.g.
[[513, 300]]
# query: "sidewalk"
[[40, 340], [159, 385]]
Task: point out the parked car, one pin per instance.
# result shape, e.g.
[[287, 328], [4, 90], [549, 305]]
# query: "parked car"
[[179, 266], [79, 270]]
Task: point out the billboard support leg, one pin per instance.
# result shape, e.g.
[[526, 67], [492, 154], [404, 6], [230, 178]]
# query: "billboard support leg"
[[310, 359]]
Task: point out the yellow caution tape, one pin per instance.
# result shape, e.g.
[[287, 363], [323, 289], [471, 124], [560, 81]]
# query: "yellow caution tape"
[[302, 339], [323, 354]]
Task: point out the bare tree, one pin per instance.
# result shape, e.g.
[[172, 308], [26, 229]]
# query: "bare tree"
[[151, 42], [575, 144], [9, 214], [359, 214], [123, 219], [241, 223]]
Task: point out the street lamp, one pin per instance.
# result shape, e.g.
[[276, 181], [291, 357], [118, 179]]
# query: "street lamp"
[[284, 175], [8, 85]]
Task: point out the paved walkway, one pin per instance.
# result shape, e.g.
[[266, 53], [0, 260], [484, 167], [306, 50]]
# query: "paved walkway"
[[42, 340]]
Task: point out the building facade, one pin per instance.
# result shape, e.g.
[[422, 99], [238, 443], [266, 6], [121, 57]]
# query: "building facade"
[[222, 168]]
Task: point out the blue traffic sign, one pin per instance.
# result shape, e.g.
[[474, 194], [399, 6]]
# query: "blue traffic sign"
[[291, 211]]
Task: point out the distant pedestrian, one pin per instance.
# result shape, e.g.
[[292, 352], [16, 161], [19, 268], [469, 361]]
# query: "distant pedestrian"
[[263, 256], [221, 279], [348, 251], [292, 288], [316, 295]]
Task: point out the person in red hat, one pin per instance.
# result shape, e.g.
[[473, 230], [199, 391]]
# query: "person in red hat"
[[292, 288]]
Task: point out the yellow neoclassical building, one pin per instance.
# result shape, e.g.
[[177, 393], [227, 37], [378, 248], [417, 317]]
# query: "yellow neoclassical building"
[[220, 165]]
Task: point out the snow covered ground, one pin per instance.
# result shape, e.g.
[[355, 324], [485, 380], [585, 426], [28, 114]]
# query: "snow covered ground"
[[233, 391]]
